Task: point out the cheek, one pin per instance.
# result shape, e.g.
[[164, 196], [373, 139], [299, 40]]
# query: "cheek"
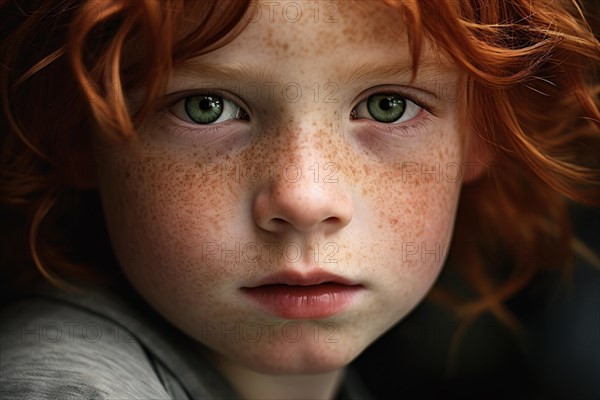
[[412, 200], [418, 203], [166, 215]]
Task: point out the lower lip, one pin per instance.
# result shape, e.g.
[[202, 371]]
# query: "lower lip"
[[303, 302]]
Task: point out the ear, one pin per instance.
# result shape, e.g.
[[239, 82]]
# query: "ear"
[[478, 157]]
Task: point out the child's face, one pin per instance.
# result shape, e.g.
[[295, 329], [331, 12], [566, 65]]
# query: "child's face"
[[308, 181]]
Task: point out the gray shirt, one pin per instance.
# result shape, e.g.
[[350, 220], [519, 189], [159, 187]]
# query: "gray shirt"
[[100, 345]]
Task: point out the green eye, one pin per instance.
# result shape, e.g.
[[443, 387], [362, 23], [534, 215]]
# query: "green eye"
[[386, 108], [204, 109], [208, 109]]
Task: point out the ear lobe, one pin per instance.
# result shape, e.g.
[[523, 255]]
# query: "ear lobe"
[[478, 157]]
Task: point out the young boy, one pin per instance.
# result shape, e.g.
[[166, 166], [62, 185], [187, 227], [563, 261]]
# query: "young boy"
[[279, 180]]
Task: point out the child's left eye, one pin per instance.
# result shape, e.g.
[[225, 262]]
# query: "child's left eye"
[[386, 108], [207, 109]]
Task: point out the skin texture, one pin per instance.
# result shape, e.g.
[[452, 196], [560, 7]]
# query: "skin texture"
[[197, 212]]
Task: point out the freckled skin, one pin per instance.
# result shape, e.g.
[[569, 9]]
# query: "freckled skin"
[[187, 202]]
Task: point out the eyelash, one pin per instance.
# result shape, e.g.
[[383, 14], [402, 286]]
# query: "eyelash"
[[416, 126], [191, 132], [400, 93], [223, 96], [213, 128]]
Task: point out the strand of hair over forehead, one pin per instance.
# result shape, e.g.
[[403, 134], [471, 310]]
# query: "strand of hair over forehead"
[[113, 114], [484, 53]]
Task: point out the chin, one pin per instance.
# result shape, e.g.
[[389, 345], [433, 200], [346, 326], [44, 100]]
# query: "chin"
[[304, 357]]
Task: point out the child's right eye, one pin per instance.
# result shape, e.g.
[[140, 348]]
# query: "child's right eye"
[[207, 109]]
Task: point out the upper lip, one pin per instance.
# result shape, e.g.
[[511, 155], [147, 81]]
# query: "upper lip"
[[302, 279]]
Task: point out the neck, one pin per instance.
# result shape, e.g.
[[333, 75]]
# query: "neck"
[[256, 385]]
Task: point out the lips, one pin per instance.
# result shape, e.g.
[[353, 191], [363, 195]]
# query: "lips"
[[293, 295]]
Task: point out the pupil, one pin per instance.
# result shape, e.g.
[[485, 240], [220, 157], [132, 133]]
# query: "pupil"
[[205, 104], [385, 104]]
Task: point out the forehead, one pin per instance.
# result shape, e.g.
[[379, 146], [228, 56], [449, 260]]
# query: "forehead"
[[326, 24], [345, 38]]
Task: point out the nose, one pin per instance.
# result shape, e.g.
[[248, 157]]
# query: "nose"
[[301, 198]]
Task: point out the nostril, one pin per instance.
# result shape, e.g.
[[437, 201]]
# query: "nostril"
[[279, 221], [332, 220]]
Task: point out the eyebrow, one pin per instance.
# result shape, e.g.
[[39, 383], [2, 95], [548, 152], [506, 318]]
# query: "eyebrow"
[[230, 71], [372, 70], [358, 72]]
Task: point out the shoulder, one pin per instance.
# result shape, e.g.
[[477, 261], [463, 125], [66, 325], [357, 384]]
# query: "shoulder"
[[54, 349]]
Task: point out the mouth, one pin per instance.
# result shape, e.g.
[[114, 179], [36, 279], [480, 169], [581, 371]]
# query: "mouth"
[[303, 296]]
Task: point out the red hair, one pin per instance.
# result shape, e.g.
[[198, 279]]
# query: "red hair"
[[531, 74]]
